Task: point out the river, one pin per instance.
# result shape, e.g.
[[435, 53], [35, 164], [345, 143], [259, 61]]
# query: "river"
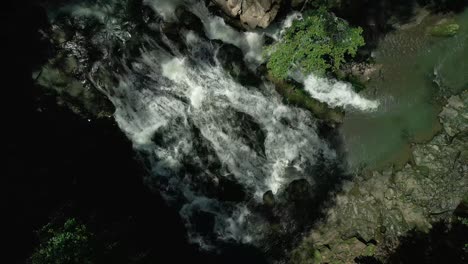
[[418, 71]]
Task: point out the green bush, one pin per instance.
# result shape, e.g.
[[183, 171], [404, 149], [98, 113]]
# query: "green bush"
[[316, 44], [69, 244]]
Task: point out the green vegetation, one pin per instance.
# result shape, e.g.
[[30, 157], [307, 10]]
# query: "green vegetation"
[[69, 244], [316, 44], [445, 30]]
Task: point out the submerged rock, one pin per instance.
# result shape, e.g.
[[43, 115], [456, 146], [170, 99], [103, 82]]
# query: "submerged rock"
[[231, 59], [269, 198], [189, 20]]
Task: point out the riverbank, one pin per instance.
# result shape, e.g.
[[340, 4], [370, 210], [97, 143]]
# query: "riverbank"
[[375, 210], [417, 73], [418, 190]]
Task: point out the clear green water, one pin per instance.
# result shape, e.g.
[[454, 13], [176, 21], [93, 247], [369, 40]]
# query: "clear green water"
[[411, 60]]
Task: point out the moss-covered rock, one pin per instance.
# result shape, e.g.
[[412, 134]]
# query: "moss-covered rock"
[[294, 95], [446, 29]]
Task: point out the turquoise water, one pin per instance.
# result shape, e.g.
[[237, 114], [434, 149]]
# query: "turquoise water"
[[418, 70]]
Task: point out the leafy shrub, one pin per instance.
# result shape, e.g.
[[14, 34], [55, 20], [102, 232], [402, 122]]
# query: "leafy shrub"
[[315, 44]]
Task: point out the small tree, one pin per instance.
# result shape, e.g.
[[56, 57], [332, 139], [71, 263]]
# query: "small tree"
[[65, 245], [315, 44]]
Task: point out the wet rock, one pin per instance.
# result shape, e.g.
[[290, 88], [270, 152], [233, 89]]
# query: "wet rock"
[[72, 73], [298, 190], [189, 20], [232, 60], [295, 95], [382, 207], [252, 13], [359, 73], [462, 208], [203, 221], [230, 190], [269, 198], [59, 77]]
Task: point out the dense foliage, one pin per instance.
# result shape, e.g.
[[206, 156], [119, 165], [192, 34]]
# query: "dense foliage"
[[315, 44], [64, 245]]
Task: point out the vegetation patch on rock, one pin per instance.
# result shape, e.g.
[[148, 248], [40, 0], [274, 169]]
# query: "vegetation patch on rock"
[[318, 43], [446, 29]]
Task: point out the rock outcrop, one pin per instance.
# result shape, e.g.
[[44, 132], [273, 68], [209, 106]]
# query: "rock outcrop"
[[252, 13], [376, 209]]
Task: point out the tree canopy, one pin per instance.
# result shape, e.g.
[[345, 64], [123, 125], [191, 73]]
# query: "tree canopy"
[[316, 44]]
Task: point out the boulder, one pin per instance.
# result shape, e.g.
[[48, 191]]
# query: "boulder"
[[231, 59], [252, 13]]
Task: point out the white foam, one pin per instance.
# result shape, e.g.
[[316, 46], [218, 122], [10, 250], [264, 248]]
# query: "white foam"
[[278, 29], [169, 104], [165, 8], [251, 43], [174, 69], [337, 94]]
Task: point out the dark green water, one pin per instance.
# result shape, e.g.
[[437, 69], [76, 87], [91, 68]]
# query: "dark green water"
[[417, 71]]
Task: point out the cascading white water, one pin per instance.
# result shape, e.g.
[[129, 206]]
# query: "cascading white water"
[[251, 43], [337, 94], [172, 106], [195, 126]]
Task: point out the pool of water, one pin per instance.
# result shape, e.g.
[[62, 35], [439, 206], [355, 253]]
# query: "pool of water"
[[417, 71]]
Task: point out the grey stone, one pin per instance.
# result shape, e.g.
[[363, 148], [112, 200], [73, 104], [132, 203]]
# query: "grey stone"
[[252, 13]]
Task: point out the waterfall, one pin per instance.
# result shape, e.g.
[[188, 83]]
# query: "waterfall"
[[187, 102], [197, 128]]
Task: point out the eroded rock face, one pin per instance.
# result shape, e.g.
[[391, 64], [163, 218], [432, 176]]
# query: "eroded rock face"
[[376, 209], [252, 13]]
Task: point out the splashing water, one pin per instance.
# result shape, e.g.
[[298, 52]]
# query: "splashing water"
[[195, 126], [251, 43], [337, 94], [188, 103], [165, 8]]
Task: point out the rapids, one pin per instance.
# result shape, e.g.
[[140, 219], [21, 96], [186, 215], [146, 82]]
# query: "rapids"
[[217, 150], [196, 127]]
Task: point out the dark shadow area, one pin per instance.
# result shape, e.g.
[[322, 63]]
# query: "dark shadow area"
[[376, 17], [60, 165], [444, 5], [443, 244], [367, 260], [302, 204]]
